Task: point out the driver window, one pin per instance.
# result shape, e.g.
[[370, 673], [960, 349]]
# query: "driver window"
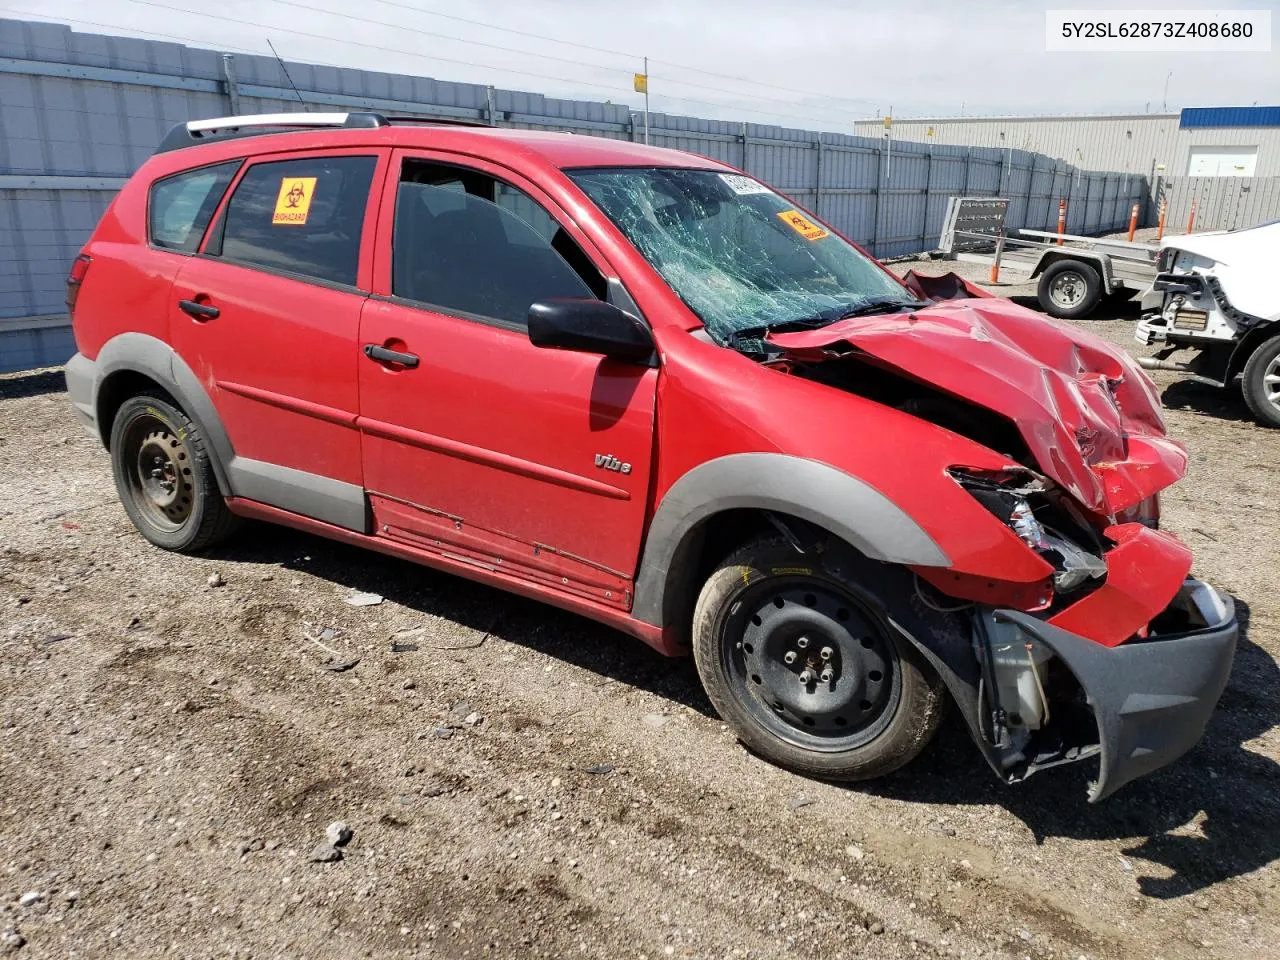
[[464, 242]]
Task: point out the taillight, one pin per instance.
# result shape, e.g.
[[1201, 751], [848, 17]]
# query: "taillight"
[[79, 267]]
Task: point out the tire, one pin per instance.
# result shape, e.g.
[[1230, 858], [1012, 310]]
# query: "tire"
[[1261, 384], [883, 702], [164, 477], [1069, 289]]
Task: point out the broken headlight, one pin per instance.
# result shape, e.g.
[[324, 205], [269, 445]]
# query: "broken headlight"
[[1005, 497], [1009, 497]]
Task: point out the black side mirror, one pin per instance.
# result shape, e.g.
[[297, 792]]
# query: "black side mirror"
[[589, 326]]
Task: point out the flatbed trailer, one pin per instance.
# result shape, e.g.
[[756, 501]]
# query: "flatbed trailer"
[[1075, 273]]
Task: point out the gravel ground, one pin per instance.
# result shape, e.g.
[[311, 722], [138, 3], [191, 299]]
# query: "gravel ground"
[[524, 783]]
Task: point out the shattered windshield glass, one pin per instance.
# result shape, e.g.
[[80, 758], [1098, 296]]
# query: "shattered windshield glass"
[[742, 257]]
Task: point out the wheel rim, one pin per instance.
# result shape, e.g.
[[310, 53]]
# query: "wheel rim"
[[1067, 289], [1271, 382], [812, 663], [158, 472]]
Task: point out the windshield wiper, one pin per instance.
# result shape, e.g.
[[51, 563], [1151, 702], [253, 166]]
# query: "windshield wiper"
[[883, 305], [751, 339]]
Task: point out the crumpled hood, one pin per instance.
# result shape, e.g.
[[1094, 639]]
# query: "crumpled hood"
[[1087, 412]]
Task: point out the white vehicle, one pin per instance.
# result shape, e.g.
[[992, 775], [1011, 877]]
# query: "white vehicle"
[[1218, 294]]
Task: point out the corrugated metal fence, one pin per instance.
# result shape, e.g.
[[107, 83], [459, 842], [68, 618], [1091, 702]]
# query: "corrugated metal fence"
[[1222, 203], [80, 112]]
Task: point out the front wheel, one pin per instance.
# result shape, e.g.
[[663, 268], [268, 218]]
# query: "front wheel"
[[1261, 384], [807, 668]]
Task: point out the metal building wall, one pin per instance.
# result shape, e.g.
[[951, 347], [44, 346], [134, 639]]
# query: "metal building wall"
[[81, 112], [1222, 203], [1134, 143]]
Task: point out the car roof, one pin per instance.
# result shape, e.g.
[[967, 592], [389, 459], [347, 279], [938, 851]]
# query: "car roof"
[[279, 133], [566, 150]]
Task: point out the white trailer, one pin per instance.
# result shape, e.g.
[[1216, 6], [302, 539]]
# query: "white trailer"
[[1075, 272]]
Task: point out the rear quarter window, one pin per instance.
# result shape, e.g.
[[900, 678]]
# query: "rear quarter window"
[[180, 207]]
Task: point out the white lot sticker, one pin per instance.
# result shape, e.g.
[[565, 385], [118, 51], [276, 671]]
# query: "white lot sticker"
[[743, 186]]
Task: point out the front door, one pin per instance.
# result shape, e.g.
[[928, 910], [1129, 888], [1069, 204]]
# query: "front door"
[[268, 314], [478, 445]]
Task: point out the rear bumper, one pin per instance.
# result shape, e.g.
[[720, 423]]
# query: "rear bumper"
[[81, 374], [1151, 698]]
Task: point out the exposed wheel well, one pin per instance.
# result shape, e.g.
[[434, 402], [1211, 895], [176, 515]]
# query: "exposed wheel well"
[[705, 546], [114, 390]]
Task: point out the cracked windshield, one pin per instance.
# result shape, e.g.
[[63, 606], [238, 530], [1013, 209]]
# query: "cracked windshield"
[[743, 258]]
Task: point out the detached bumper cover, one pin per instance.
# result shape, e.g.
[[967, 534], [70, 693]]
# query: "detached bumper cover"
[[1151, 698]]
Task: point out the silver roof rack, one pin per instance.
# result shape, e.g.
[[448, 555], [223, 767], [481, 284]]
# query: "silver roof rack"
[[195, 132], [269, 120]]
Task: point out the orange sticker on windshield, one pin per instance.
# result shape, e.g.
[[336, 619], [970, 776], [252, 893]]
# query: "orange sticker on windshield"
[[294, 201], [802, 225]]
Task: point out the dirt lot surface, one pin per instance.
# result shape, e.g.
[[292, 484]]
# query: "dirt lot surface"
[[523, 783]]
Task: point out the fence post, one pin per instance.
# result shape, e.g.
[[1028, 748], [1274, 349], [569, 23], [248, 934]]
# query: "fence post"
[[744, 147], [817, 177], [1031, 183], [928, 182], [875, 206], [229, 82], [968, 159], [490, 107]]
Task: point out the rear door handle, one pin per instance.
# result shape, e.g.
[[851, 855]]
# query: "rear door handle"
[[381, 354], [198, 310]]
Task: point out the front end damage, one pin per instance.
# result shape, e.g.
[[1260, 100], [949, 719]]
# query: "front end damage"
[[1100, 646]]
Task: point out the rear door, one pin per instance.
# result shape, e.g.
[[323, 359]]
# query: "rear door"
[[527, 461], [267, 315]]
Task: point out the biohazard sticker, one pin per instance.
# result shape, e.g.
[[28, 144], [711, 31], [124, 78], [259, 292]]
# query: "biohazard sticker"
[[802, 225], [743, 186], [294, 201]]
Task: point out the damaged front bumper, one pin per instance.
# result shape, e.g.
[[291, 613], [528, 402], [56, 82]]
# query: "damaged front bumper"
[[1151, 697]]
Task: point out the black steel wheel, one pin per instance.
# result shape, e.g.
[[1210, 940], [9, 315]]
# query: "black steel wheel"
[[814, 666], [809, 668], [163, 476]]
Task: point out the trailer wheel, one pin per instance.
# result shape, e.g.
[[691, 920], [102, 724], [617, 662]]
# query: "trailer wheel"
[[1262, 383], [1069, 289]]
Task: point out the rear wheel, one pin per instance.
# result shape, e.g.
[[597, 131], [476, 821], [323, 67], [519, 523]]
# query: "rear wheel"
[[806, 666], [164, 477], [1261, 384], [1069, 289]]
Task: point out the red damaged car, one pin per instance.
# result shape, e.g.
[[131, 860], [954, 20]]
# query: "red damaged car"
[[647, 388]]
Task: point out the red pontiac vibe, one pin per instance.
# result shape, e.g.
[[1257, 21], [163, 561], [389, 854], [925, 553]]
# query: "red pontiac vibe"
[[642, 386]]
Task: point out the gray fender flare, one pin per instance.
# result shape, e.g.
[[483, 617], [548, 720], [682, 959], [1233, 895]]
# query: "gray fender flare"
[[840, 503], [140, 353]]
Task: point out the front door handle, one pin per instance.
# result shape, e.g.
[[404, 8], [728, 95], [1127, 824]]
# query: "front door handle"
[[381, 354], [198, 310]]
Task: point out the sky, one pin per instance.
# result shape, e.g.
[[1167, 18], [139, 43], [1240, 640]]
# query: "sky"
[[812, 64]]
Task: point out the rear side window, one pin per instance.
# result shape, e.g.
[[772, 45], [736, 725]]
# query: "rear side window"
[[300, 216], [180, 207]]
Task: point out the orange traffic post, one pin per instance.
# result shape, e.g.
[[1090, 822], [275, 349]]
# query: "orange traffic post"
[[1191, 217], [1164, 208], [995, 264], [1133, 221], [1062, 219]]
